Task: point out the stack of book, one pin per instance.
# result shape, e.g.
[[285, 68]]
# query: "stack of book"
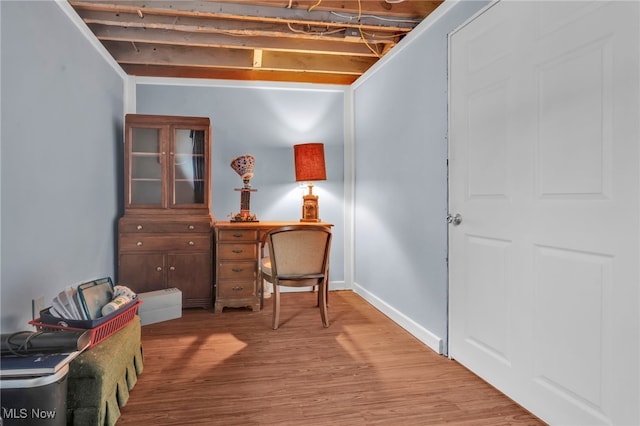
[[35, 365], [27, 353], [84, 302], [67, 305]]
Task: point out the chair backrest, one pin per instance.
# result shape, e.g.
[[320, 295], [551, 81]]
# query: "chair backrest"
[[299, 250]]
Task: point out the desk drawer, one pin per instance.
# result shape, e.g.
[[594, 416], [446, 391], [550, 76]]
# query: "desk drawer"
[[139, 242], [237, 251], [237, 270], [233, 290], [238, 235]]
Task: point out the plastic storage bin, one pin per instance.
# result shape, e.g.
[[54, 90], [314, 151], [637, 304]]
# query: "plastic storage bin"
[[160, 305], [40, 400]]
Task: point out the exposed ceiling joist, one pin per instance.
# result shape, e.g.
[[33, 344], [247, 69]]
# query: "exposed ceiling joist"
[[282, 40]]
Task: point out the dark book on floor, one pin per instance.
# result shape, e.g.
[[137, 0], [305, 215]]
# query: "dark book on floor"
[[34, 365]]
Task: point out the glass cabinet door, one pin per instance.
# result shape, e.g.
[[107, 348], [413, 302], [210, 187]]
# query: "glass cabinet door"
[[167, 164], [146, 167], [189, 167]]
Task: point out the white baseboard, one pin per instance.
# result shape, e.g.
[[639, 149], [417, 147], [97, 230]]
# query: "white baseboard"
[[425, 336]]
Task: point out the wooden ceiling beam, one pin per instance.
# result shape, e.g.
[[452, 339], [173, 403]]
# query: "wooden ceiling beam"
[[158, 36], [200, 25], [410, 9], [142, 53], [237, 74]]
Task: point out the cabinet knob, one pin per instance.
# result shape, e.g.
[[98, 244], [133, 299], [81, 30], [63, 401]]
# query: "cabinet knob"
[[159, 268], [191, 243], [191, 227], [172, 268], [139, 243], [139, 227]]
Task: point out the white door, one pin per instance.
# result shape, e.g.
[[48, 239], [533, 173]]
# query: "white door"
[[544, 171]]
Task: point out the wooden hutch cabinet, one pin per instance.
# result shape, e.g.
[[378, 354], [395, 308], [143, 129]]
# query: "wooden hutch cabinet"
[[165, 235]]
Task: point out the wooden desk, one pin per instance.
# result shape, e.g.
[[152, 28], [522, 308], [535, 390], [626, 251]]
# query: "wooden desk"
[[237, 262]]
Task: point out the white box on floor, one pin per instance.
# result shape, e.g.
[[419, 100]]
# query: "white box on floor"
[[160, 305]]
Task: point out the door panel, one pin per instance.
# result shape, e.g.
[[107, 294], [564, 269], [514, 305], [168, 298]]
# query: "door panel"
[[544, 166]]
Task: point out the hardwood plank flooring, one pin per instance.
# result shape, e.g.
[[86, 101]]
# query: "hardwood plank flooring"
[[231, 368]]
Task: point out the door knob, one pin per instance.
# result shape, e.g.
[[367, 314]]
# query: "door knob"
[[455, 219]]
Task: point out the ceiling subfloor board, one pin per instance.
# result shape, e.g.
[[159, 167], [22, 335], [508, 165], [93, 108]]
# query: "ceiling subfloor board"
[[245, 13], [142, 53]]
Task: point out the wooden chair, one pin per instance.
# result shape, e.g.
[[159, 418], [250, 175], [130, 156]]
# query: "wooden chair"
[[298, 257]]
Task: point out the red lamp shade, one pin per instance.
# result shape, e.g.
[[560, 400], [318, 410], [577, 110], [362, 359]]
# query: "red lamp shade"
[[309, 161]]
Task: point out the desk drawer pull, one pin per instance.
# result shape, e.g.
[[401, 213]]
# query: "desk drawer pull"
[[237, 269], [238, 235], [237, 288], [237, 251]]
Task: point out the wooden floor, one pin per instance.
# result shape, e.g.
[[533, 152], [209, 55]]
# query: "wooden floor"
[[231, 368]]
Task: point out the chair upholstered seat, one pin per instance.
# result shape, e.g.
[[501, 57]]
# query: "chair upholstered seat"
[[266, 271]]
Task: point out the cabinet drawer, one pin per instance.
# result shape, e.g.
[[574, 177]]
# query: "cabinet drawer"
[[238, 235], [237, 270], [129, 242], [237, 251], [236, 289], [142, 226]]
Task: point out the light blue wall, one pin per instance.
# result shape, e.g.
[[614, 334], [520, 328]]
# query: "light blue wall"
[[61, 161], [401, 178], [265, 120], [61, 150]]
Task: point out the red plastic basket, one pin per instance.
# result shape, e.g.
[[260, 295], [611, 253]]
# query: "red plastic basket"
[[100, 332]]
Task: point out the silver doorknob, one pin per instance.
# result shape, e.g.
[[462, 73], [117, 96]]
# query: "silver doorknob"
[[455, 219]]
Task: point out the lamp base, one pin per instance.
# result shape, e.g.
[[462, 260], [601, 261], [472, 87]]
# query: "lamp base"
[[239, 218], [310, 208], [245, 205]]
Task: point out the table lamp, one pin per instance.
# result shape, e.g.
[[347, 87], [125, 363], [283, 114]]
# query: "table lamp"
[[243, 165], [309, 162]]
